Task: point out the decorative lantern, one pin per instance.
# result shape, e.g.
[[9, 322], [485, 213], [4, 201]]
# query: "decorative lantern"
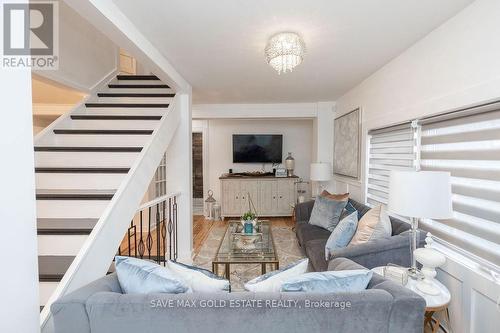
[[217, 212], [290, 164], [209, 205], [301, 190]]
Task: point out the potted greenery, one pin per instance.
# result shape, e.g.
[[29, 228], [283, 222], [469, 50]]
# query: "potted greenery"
[[248, 220]]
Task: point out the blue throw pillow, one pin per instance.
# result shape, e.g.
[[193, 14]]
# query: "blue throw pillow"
[[329, 282], [348, 209], [342, 234], [326, 212], [138, 276]]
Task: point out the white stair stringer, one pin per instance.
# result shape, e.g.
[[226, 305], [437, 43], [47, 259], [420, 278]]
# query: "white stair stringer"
[[76, 181]]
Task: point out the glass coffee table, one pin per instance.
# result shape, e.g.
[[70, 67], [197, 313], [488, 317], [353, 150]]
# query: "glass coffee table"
[[237, 247]]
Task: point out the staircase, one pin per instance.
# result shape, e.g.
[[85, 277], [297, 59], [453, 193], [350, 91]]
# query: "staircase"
[[83, 159]]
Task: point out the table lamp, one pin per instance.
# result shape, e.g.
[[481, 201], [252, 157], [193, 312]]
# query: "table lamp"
[[321, 172], [419, 194]]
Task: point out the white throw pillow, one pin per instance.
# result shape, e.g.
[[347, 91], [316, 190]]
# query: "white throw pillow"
[[374, 225], [271, 282], [199, 279], [384, 226]]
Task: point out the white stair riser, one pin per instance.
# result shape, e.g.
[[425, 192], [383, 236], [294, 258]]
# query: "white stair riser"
[[84, 159], [140, 90], [146, 100], [60, 245], [46, 289], [70, 208], [124, 111], [95, 140], [78, 181], [131, 124]]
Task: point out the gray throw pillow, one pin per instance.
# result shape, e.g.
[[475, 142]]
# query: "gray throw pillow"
[[326, 212]]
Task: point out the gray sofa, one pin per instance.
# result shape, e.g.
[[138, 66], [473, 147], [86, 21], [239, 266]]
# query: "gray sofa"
[[101, 307], [312, 239]]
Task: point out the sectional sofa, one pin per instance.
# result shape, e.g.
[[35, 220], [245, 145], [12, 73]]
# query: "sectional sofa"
[[102, 307], [312, 239]]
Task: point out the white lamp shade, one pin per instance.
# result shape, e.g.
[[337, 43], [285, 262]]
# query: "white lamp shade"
[[321, 172], [420, 194]]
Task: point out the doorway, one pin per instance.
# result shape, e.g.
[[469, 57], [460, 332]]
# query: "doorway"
[[198, 173]]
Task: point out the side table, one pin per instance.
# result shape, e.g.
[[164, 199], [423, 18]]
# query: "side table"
[[434, 303]]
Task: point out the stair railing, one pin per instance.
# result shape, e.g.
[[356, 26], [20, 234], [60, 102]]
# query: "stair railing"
[[152, 233]]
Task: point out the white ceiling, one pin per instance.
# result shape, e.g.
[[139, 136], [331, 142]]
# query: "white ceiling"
[[218, 46]]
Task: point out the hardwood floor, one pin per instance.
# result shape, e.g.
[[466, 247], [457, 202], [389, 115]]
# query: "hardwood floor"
[[202, 227], [201, 230]]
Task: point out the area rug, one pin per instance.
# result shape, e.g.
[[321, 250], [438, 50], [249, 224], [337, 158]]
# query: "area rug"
[[284, 239]]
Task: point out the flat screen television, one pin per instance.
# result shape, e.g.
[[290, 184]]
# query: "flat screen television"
[[257, 148]]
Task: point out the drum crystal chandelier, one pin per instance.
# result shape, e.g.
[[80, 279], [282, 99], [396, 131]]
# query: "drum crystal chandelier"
[[284, 51]]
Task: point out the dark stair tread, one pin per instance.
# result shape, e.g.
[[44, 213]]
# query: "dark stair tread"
[[81, 170], [103, 132], [135, 94], [112, 117], [137, 77], [60, 194], [126, 105], [138, 86], [65, 226], [52, 268], [90, 149]]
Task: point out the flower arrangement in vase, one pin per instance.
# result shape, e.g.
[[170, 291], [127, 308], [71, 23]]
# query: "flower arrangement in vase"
[[249, 220]]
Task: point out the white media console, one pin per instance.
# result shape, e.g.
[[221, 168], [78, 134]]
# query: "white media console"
[[271, 196]]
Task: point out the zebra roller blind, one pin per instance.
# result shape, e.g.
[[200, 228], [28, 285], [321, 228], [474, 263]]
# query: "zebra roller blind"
[[467, 144], [392, 148]]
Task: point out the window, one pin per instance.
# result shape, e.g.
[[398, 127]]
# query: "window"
[[160, 178], [465, 143], [392, 148]]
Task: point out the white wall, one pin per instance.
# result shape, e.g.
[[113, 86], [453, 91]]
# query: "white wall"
[[19, 309], [86, 56], [297, 138], [456, 65]]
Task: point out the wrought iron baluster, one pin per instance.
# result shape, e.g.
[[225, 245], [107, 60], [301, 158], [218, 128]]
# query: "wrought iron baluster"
[[170, 228], [149, 240], [128, 238], [135, 240], [175, 228], [158, 233], [141, 242], [164, 233]]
